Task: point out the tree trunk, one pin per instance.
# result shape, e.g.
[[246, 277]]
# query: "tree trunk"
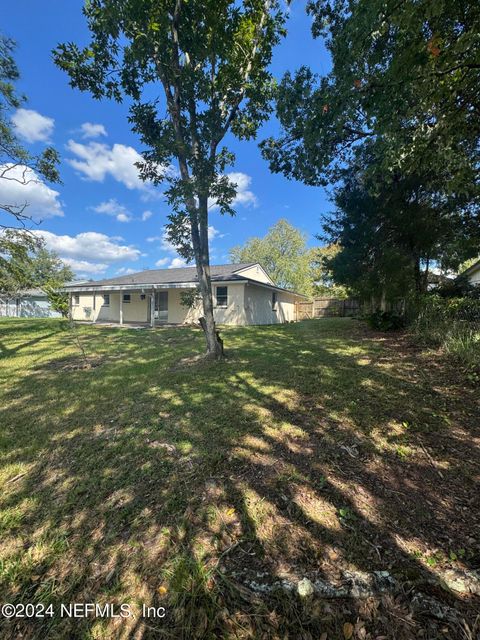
[[202, 261], [417, 275]]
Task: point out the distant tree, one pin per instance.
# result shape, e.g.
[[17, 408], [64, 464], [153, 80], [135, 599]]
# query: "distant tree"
[[323, 275], [26, 264], [16, 163], [16, 249], [284, 254], [46, 268], [210, 58]]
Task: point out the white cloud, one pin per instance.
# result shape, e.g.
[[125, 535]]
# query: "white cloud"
[[91, 130], [177, 263], [24, 186], [124, 271], [162, 262], [245, 197], [96, 160], [83, 266], [113, 208], [214, 233], [146, 215], [90, 246], [154, 238], [32, 126]]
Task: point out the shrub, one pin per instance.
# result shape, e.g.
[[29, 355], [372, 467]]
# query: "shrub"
[[453, 324], [386, 320]]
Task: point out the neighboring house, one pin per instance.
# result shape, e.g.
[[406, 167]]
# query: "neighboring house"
[[435, 280], [30, 303], [473, 273], [243, 294]]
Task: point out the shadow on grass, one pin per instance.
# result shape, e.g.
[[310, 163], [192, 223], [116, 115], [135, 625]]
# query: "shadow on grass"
[[315, 448]]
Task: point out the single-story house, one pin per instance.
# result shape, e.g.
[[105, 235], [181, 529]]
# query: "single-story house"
[[473, 273], [243, 294], [30, 303]]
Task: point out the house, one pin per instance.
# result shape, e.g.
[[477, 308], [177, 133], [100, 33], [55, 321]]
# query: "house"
[[30, 303], [243, 294], [473, 273]]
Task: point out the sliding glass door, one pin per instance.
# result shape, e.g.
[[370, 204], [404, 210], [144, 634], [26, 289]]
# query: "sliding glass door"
[[161, 306]]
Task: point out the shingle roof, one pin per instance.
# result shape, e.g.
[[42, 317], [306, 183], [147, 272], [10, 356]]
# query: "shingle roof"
[[171, 276]]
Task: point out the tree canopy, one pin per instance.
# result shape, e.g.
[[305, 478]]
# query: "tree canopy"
[[25, 264], [406, 73], [192, 72], [284, 254], [16, 163], [395, 127]]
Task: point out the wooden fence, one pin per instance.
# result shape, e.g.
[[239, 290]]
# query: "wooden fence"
[[327, 307]]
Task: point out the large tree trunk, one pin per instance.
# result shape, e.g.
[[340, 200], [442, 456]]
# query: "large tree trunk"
[[202, 261], [417, 274]]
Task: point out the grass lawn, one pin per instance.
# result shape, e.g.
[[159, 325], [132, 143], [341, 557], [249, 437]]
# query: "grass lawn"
[[147, 477]]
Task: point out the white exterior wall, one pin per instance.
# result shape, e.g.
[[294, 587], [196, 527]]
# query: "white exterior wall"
[[259, 308], [247, 304]]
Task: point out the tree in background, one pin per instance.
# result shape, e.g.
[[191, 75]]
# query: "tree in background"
[[16, 163], [284, 254], [210, 60], [16, 249], [395, 126], [323, 275], [46, 268], [26, 264], [390, 235]]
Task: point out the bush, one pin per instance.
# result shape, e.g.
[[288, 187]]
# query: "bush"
[[453, 324], [386, 320]]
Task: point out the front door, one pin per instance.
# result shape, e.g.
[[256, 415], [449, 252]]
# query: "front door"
[[161, 306]]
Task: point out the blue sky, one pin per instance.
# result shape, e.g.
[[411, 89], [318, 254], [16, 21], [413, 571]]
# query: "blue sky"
[[102, 219]]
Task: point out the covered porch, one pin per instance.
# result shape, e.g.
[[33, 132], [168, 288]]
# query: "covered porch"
[[129, 306]]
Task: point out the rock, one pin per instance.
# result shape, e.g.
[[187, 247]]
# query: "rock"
[[461, 581], [305, 588]]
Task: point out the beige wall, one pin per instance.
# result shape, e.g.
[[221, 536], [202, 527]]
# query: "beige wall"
[[247, 304], [259, 308], [234, 313], [255, 273], [134, 311]]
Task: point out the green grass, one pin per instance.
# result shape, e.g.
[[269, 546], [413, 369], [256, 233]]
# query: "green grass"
[[142, 478]]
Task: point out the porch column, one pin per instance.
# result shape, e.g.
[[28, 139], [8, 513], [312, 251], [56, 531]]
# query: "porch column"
[[94, 308], [70, 312], [152, 308], [121, 307]]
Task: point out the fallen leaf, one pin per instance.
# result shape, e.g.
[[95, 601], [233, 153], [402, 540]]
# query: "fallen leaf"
[[347, 630]]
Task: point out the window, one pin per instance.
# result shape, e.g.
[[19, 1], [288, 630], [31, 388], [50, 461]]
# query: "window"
[[76, 299], [106, 299], [222, 296], [142, 296], [274, 300], [126, 297]]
